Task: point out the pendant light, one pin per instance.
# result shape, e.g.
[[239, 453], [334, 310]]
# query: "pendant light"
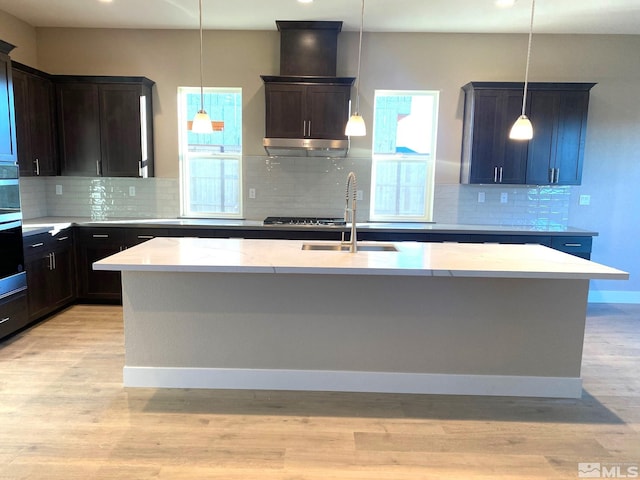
[[201, 122], [522, 129], [356, 126]]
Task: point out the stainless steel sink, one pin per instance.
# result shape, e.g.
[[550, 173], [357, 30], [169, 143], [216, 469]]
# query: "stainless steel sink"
[[336, 247]]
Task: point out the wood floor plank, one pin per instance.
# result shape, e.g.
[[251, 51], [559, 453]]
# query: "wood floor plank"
[[64, 414]]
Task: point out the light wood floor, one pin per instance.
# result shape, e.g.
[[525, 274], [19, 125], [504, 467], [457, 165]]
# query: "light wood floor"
[[65, 415]]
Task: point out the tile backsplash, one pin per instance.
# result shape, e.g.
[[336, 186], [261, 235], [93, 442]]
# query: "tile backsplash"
[[291, 186]]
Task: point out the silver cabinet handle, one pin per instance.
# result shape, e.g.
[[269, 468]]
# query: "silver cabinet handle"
[[37, 162], [495, 174], [557, 175], [309, 133], [500, 174], [100, 235], [98, 169], [572, 244], [36, 245], [145, 237], [551, 174], [6, 319], [50, 258], [53, 256], [61, 239]]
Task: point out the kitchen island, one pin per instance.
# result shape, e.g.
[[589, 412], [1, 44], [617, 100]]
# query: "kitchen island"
[[449, 318]]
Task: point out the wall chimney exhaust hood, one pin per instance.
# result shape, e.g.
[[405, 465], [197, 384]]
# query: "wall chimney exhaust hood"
[[307, 106]]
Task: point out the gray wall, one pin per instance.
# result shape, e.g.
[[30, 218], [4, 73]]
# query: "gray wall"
[[405, 61]]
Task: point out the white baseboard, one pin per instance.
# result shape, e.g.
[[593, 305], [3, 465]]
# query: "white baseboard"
[[346, 381], [613, 296]]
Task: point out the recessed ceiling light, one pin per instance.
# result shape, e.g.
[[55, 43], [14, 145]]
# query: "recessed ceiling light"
[[105, 1], [305, 1], [504, 3]]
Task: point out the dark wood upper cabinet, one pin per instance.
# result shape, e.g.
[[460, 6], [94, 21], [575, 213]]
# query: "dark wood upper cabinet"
[[105, 126], [558, 112], [8, 149], [79, 129], [488, 154], [557, 148], [303, 109], [35, 122]]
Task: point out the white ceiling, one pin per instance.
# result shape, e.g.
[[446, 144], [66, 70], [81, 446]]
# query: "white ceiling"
[[552, 16]]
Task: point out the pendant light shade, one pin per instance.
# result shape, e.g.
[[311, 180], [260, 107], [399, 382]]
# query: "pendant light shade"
[[356, 126], [523, 129], [201, 122]]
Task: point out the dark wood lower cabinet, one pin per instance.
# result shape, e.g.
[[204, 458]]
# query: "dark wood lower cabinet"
[[97, 243], [53, 264], [51, 267]]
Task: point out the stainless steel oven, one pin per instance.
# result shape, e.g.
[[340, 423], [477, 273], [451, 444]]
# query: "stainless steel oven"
[[12, 276]]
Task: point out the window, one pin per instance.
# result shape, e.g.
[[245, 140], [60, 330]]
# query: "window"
[[404, 145], [211, 164]]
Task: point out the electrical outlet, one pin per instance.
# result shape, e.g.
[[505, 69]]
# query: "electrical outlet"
[[58, 189], [481, 197], [504, 197], [359, 195], [132, 191], [585, 199], [252, 193]]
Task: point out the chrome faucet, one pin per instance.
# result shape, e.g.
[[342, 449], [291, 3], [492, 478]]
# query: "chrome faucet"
[[353, 241]]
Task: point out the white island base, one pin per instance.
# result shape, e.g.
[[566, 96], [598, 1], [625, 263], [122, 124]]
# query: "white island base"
[[373, 325]]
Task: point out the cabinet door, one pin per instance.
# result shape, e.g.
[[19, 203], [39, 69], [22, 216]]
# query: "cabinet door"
[[120, 128], [571, 137], [38, 267], [33, 100], [8, 150], [42, 131], [23, 134], [542, 113], [62, 278], [494, 157], [93, 245], [79, 128], [285, 116], [327, 109]]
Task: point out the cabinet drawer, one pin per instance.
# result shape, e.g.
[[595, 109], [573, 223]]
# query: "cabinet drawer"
[[35, 244], [134, 236], [62, 240], [572, 244], [103, 234], [13, 314]]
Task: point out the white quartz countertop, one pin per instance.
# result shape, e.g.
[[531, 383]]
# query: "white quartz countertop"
[[412, 258]]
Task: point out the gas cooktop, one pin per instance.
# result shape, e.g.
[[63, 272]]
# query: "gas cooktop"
[[311, 221]]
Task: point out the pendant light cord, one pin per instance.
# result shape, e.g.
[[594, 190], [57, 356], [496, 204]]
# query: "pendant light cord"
[[359, 60], [526, 72], [201, 82]]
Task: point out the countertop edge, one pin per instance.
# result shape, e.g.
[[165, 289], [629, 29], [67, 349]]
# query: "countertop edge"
[[191, 255]]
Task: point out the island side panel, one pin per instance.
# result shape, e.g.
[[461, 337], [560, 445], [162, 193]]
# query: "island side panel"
[[434, 325]]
